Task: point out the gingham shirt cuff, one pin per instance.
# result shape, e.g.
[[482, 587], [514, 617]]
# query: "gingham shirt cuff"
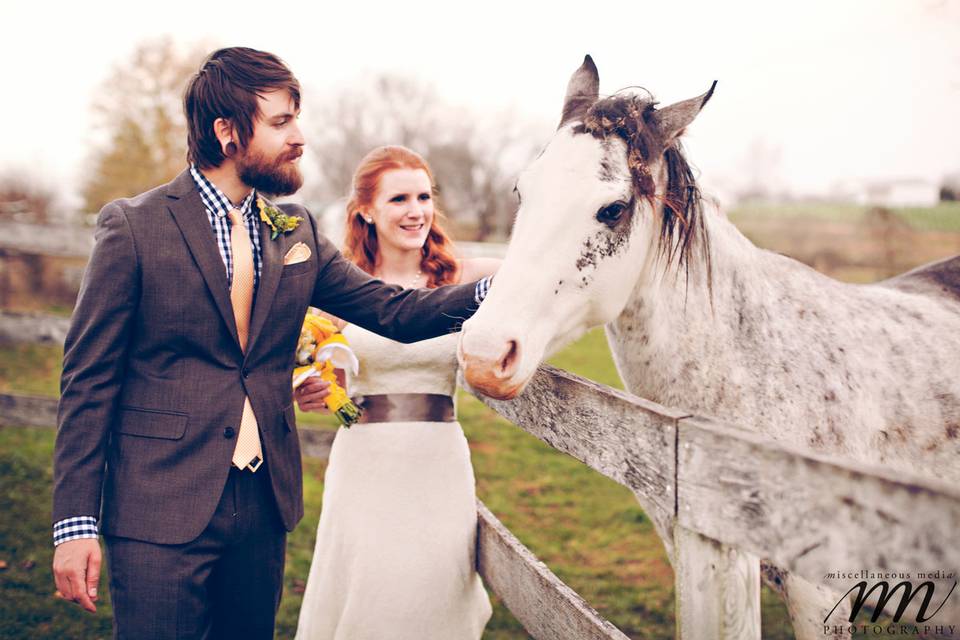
[[74, 529], [483, 286]]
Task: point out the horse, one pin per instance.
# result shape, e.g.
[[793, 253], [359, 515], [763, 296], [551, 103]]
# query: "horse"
[[612, 230]]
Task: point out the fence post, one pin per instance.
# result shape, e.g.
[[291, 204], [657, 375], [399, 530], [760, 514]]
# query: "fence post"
[[718, 589]]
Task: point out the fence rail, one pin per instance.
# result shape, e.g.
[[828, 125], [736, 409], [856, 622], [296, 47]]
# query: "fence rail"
[[544, 605], [31, 327], [49, 240]]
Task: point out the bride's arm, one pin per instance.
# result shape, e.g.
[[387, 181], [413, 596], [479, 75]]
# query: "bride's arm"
[[476, 268], [338, 323]]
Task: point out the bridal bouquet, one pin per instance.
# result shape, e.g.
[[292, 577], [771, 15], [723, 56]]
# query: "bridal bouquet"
[[320, 350]]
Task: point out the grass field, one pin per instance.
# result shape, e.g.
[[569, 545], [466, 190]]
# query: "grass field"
[[588, 529], [943, 217], [853, 243]]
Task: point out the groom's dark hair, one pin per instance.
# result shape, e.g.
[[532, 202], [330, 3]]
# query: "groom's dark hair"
[[226, 86]]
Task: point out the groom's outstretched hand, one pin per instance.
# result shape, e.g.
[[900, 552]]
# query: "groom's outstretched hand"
[[76, 570]]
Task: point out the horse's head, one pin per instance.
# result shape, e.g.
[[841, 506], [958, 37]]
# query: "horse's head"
[[608, 199]]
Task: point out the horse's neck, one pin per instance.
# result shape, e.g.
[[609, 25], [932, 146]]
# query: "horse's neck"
[[786, 351], [679, 325]]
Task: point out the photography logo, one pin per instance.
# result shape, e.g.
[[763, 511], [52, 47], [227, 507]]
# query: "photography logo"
[[913, 602]]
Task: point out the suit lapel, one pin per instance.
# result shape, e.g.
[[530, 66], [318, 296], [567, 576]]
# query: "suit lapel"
[[271, 252], [191, 217]]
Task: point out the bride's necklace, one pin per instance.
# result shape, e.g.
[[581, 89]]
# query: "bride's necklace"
[[414, 282]]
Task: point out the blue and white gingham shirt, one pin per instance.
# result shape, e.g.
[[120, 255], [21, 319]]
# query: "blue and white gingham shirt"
[[217, 206], [483, 287], [74, 529]]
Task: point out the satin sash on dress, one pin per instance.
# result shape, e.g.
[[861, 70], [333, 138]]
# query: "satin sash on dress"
[[406, 407]]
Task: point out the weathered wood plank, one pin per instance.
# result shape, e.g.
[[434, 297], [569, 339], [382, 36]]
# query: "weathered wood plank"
[[316, 443], [810, 514], [718, 589], [53, 240], [17, 410], [626, 438], [546, 607], [31, 327]]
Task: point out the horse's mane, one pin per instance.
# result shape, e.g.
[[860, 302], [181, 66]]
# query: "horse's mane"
[[630, 117]]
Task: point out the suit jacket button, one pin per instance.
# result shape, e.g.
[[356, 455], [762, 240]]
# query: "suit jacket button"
[[228, 433], [245, 373]]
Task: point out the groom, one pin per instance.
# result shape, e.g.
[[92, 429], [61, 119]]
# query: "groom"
[[177, 438]]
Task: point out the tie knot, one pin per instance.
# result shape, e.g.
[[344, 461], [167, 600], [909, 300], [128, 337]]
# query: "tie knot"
[[234, 215]]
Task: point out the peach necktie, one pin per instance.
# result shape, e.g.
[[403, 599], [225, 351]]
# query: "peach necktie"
[[248, 453]]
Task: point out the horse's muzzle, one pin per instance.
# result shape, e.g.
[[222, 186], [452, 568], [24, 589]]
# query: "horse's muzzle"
[[493, 376]]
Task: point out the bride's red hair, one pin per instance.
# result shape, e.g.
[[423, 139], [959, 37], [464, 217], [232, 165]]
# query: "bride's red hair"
[[361, 245]]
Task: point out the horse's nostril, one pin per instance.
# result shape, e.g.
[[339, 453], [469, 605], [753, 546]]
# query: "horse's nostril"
[[508, 364]]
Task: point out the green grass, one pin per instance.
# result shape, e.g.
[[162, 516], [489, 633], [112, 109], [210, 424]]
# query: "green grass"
[[588, 529], [30, 368], [28, 607], [945, 216]]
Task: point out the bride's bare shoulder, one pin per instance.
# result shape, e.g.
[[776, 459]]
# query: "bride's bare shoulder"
[[475, 268]]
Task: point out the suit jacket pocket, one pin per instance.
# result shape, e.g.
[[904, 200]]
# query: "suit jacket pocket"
[[290, 418], [296, 269], [152, 423]]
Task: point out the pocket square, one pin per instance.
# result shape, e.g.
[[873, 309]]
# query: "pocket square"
[[297, 253]]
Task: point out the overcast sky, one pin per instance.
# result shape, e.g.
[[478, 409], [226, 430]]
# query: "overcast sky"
[[818, 90]]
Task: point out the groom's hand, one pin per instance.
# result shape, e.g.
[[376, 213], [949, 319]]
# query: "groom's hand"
[[76, 571], [310, 394]]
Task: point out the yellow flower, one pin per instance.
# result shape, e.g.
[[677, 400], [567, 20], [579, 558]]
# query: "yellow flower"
[[320, 350], [277, 220], [264, 216]]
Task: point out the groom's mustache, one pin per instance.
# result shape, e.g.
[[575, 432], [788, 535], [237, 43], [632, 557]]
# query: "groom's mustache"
[[293, 155]]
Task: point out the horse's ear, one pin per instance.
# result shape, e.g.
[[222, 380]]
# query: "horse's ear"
[[672, 120], [582, 91]]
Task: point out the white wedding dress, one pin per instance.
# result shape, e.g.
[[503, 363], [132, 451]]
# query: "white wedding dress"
[[395, 552]]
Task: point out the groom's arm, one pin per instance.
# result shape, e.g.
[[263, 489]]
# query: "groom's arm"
[[405, 315], [94, 361]]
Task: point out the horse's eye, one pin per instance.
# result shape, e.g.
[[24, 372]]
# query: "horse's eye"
[[611, 213]]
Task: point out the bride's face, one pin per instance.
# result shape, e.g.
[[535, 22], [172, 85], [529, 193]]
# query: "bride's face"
[[403, 208]]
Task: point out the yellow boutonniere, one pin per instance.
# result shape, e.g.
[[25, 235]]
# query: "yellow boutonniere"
[[277, 220]]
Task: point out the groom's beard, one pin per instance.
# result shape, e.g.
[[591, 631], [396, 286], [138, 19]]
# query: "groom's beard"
[[279, 177]]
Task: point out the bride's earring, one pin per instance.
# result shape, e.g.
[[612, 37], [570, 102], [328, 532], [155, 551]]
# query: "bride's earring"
[[369, 220]]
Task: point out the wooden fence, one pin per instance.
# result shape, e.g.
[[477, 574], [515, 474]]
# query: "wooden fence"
[[733, 493], [41, 265], [732, 496]]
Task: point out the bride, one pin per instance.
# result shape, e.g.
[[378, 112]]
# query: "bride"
[[395, 551]]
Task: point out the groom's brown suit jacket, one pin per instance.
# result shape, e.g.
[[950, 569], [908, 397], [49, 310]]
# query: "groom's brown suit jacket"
[[154, 377]]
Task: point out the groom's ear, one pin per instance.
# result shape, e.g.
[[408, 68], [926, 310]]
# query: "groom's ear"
[[223, 129]]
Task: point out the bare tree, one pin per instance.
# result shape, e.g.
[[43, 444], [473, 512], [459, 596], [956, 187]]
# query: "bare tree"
[[140, 126], [475, 159]]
